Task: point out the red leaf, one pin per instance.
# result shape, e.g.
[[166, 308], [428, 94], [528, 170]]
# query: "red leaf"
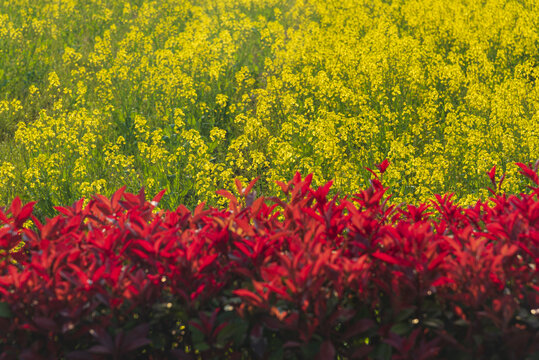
[[140, 253], [115, 199], [239, 186], [361, 351], [29, 236], [226, 194], [501, 181], [257, 204], [197, 292], [284, 187], [45, 323], [36, 222], [135, 338], [442, 280], [375, 198], [372, 172], [358, 327], [434, 263], [145, 245], [322, 192], [3, 217], [64, 210], [199, 208], [131, 201], [141, 196], [396, 341], [327, 351], [15, 207], [101, 350], [492, 175], [157, 198], [24, 214], [206, 261], [529, 173], [244, 248], [390, 259], [314, 215], [307, 181], [249, 296], [250, 186], [383, 166], [291, 344], [26, 211], [50, 227]]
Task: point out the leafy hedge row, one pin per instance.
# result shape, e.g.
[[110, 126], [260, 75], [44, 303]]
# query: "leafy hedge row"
[[300, 277]]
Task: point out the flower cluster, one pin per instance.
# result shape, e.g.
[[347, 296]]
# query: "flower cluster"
[[187, 95]]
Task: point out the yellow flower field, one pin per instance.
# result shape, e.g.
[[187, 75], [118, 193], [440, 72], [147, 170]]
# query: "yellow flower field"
[[188, 95]]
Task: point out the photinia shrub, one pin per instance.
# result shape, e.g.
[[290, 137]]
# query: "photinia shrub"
[[304, 276]]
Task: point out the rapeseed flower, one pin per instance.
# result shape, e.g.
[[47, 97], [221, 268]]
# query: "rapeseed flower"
[[189, 95]]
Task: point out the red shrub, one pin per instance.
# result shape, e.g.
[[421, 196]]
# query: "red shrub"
[[309, 277]]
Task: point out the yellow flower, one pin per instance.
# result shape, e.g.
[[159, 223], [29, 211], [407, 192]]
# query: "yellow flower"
[[221, 100], [54, 81]]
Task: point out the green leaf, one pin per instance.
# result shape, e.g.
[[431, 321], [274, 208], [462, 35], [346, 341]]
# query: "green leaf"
[[434, 323], [198, 338], [5, 311], [196, 334], [235, 330], [201, 346], [226, 333], [401, 328], [311, 349], [277, 354], [527, 317], [382, 352], [461, 322], [405, 314], [275, 348]]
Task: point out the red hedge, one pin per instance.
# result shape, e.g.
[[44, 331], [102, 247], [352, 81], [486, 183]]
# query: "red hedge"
[[301, 278]]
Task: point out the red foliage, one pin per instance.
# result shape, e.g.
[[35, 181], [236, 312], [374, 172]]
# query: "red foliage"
[[310, 275]]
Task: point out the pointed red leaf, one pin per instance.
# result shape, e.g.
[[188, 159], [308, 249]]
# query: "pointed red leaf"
[[442, 280], [25, 212], [492, 175], [15, 206], [250, 186], [284, 187], [64, 210], [383, 166], [358, 327], [327, 351], [157, 198], [135, 338], [528, 172], [115, 199], [199, 208], [390, 259], [501, 181], [226, 194], [437, 261], [239, 186], [3, 217], [372, 172], [249, 296], [257, 204]]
